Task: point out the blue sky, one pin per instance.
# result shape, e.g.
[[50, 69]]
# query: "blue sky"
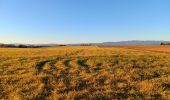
[[75, 21]]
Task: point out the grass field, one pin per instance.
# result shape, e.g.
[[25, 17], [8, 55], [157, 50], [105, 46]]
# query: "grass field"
[[155, 48], [89, 72]]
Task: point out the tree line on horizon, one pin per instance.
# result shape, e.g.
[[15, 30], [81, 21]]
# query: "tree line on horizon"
[[19, 46], [165, 43], [32, 46], [39, 46]]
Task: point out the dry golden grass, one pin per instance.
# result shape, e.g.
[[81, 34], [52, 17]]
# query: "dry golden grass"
[[155, 48], [88, 72]]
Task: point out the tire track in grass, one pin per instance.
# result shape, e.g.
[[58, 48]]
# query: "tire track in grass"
[[67, 63], [64, 71], [46, 88], [75, 68], [62, 77], [58, 74], [39, 66], [83, 65]]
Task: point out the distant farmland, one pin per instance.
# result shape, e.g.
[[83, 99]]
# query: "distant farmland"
[[85, 72], [155, 48]]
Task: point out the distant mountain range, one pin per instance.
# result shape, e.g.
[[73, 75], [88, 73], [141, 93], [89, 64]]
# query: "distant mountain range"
[[133, 42]]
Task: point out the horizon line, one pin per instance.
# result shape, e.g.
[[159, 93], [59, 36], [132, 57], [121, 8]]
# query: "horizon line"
[[86, 42]]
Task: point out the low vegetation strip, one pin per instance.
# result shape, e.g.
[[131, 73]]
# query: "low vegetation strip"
[[152, 48], [93, 73], [20, 46]]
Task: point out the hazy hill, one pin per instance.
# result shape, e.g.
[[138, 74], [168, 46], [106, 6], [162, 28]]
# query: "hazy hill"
[[133, 42]]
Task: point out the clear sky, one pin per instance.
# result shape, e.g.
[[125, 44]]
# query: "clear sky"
[[75, 21]]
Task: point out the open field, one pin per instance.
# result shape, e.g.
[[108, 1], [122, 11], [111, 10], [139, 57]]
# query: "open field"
[[89, 72], [155, 48]]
